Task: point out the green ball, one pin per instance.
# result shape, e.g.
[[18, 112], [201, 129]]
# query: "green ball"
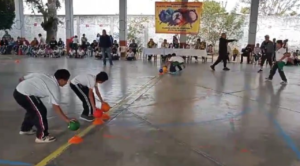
[[74, 125]]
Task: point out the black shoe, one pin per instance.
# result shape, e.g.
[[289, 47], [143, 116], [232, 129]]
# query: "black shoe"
[[213, 68], [226, 69], [260, 70], [87, 118]]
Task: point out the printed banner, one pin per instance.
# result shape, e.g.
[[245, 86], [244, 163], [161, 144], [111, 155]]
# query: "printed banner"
[[177, 17]]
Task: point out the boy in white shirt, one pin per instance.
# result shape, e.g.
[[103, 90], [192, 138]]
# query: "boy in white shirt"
[[28, 94], [80, 53], [83, 86], [130, 55], [281, 58], [41, 51], [173, 62]]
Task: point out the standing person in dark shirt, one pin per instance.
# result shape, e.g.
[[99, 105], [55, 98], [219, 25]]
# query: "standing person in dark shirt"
[[133, 46], [53, 43], [105, 44], [267, 49], [223, 53]]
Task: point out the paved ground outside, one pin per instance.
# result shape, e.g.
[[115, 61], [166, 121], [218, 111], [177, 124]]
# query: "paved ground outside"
[[199, 117]]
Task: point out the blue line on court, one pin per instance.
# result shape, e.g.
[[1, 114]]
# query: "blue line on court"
[[286, 138], [6, 162]]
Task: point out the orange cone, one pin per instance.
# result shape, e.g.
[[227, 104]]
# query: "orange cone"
[[105, 117], [98, 121], [75, 140]]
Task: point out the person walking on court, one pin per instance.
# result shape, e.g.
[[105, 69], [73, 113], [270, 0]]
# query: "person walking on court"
[[223, 53]]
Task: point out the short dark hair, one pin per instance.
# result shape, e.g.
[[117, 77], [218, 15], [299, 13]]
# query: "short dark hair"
[[279, 42], [102, 76], [62, 74], [173, 54], [169, 55]]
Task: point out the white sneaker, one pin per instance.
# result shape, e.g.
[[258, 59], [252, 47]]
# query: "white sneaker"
[[30, 132], [46, 139], [283, 83]]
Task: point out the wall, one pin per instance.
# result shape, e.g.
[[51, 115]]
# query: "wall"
[[276, 27]]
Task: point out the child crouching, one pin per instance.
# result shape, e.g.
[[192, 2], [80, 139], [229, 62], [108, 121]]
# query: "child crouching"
[[173, 62]]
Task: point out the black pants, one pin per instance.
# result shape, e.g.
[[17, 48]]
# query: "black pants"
[[130, 58], [268, 57], [83, 93], [273, 71], [173, 67], [163, 58], [223, 58], [248, 58], [234, 56], [36, 114]]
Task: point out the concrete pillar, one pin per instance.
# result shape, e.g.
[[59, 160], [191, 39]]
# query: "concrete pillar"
[[253, 22], [183, 38], [19, 20], [69, 19], [123, 22]]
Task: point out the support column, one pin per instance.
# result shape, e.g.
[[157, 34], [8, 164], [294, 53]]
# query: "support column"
[[69, 20], [19, 20], [183, 38], [123, 22], [253, 22]]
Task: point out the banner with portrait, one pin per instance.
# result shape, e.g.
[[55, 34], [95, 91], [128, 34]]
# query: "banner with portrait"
[[177, 17]]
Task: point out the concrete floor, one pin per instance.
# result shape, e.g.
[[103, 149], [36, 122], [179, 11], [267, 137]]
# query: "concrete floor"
[[197, 118]]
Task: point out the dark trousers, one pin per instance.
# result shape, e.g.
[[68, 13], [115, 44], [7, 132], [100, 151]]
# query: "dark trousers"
[[268, 57], [248, 58], [234, 56], [83, 94], [130, 58], [223, 58], [274, 69], [36, 114], [173, 67]]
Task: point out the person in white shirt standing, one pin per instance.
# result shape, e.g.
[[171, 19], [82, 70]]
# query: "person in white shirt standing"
[[281, 58], [83, 86], [28, 94]]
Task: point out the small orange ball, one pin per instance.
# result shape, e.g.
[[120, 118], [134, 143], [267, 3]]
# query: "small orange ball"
[[105, 107]]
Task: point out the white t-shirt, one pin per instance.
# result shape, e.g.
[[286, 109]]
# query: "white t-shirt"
[[280, 53], [85, 80], [40, 85], [75, 40], [130, 54], [80, 52], [176, 59], [42, 41], [72, 52]]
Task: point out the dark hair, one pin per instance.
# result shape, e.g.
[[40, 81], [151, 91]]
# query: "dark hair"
[[62, 74], [279, 42], [173, 54], [40, 34], [169, 55], [102, 76]]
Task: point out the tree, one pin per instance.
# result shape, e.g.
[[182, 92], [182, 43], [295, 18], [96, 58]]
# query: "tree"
[[136, 27], [215, 20], [49, 13], [276, 7], [7, 14]]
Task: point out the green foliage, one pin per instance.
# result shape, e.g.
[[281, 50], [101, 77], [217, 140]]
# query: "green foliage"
[[245, 10], [215, 20], [7, 14], [276, 7], [48, 11], [135, 28]]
